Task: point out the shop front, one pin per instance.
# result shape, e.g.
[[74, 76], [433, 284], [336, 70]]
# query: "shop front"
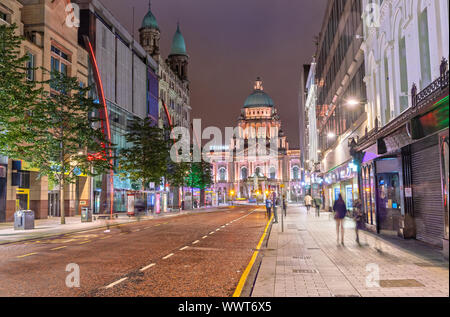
[[342, 180]]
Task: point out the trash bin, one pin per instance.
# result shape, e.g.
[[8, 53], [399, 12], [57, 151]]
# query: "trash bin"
[[24, 220], [86, 215]]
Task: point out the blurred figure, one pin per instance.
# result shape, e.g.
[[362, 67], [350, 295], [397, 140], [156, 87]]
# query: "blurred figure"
[[308, 202], [276, 201], [341, 210], [268, 207], [284, 205], [317, 205], [359, 217]]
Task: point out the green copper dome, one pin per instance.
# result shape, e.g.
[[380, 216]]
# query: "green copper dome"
[[149, 21], [258, 98], [178, 44]]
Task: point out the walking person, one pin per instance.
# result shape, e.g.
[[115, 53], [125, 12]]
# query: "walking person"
[[308, 202], [268, 207], [276, 202], [359, 218], [340, 211], [284, 205], [317, 204]]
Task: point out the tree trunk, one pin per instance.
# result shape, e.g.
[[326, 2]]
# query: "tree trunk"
[[202, 197], [61, 198]]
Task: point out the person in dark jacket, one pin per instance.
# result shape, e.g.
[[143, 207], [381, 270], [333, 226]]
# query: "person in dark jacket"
[[268, 207], [359, 218], [340, 211]]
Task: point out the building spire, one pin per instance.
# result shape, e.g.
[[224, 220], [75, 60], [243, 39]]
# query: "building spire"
[[258, 84], [149, 5]]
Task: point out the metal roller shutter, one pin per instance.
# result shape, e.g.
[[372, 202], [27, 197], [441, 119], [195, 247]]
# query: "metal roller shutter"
[[427, 196]]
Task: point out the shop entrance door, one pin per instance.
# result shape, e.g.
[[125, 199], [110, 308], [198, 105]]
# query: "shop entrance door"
[[388, 206], [53, 204]]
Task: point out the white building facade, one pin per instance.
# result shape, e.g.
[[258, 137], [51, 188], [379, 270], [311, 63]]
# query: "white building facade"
[[405, 47]]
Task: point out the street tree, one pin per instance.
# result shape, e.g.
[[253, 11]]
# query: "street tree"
[[200, 177], [63, 136], [18, 95], [147, 153]]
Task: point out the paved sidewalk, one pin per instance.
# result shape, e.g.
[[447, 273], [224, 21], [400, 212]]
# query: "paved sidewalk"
[[306, 261], [52, 226]]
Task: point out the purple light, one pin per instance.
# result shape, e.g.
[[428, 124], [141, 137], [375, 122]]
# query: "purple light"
[[369, 156]]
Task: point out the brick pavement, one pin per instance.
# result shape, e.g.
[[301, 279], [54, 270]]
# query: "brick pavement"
[[306, 261]]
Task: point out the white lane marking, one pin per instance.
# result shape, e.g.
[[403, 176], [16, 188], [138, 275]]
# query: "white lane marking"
[[212, 232], [217, 229], [167, 256], [137, 230], [195, 242], [204, 237], [184, 248], [116, 282], [147, 267]]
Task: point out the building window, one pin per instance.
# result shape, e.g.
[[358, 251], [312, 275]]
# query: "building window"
[[295, 173], [425, 64], [3, 16], [244, 173], [273, 173], [222, 174], [30, 67], [59, 63]]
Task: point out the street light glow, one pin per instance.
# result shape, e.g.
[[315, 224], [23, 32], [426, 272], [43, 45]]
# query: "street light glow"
[[352, 102], [331, 135]]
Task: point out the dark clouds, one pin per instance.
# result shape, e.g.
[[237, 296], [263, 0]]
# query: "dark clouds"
[[230, 43]]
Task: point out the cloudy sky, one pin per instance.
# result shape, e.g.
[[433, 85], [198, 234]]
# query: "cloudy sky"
[[230, 43]]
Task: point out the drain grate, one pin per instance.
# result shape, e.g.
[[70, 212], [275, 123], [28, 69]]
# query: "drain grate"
[[400, 283], [302, 257], [431, 264], [310, 271]]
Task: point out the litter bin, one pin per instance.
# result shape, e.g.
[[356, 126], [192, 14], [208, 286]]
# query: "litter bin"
[[86, 215], [24, 220]]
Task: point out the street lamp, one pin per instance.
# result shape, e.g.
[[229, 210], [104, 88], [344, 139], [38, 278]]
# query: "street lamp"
[[331, 135]]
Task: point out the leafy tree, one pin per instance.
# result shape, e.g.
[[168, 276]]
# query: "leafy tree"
[[200, 177], [62, 137], [18, 95], [146, 157]]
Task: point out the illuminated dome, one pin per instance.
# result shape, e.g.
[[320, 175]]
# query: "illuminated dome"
[[258, 98]]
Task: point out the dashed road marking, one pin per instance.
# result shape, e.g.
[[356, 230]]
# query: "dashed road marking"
[[116, 282], [84, 242], [147, 267], [167, 256], [212, 232], [195, 242], [184, 248], [204, 237], [58, 248], [22, 256]]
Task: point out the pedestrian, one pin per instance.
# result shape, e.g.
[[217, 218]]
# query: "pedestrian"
[[317, 204], [359, 218], [308, 202], [284, 206], [275, 214], [268, 207], [340, 211]]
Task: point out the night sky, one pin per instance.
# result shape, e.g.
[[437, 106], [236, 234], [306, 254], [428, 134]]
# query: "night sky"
[[230, 43]]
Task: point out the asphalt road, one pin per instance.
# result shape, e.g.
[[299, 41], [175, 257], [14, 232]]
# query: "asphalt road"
[[196, 255]]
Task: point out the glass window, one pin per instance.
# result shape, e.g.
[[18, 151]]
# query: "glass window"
[[30, 67]]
